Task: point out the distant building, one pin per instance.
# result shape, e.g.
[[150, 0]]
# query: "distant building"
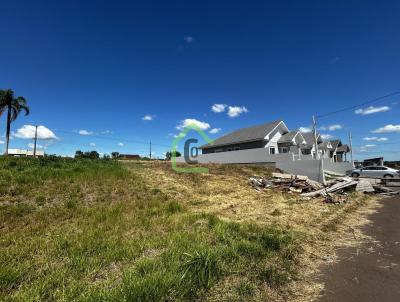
[[24, 153], [373, 162], [129, 156]]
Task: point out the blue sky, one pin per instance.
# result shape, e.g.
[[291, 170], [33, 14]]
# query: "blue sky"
[[103, 66]]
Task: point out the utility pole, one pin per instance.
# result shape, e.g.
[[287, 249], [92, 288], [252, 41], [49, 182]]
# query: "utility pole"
[[150, 150], [315, 137], [351, 150], [34, 145]]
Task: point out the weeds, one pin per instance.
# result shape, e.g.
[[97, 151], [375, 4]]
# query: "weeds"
[[94, 230], [200, 269]]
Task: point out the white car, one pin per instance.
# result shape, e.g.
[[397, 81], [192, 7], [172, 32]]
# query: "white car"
[[375, 172]]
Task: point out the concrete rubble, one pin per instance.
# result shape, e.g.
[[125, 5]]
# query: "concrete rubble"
[[334, 191]]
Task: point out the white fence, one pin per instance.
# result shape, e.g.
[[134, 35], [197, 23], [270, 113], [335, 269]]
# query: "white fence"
[[340, 168], [288, 162], [258, 155], [311, 168]]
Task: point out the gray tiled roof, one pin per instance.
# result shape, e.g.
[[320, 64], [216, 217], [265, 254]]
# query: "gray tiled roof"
[[288, 137], [244, 135], [309, 138], [335, 143], [343, 148], [324, 145]]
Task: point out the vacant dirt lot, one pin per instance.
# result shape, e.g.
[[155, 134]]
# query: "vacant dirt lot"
[[100, 230]]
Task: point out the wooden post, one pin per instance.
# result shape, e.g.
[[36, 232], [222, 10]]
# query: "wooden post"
[[351, 150], [150, 150], [315, 137], [34, 145]]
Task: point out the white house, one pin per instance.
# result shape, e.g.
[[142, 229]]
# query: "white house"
[[24, 153], [276, 138], [274, 144]]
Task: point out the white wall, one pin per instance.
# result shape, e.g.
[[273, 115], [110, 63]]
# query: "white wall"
[[22, 152], [310, 168], [273, 142], [284, 161], [258, 155], [340, 168]]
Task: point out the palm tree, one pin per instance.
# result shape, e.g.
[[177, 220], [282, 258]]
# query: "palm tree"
[[14, 106]]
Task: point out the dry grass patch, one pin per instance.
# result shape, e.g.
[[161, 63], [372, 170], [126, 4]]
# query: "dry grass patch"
[[225, 192], [88, 230]]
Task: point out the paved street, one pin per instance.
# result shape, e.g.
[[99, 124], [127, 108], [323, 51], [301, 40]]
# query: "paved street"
[[374, 273]]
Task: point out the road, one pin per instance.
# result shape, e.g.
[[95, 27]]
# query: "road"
[[372, 272]]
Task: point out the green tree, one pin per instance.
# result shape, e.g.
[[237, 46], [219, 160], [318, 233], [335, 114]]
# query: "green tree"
[[92, 155], [114, 155], [78, 154], [13, 106], [88, 154], [168, 155]]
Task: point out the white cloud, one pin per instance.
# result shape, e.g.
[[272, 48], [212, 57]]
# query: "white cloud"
[[217, 108], [387, 129], [234, 111], [331, 127], [371, 110], [305, 129], [92, 145], [190, 121], [335, 127], [188, 39], [374, 138], [366, 147], [326, 136], [215, 130], [107, 132], [1, 142], [121, 144], [85, 132], [180, 135], [28, 132], [148, 117], [32, 146]]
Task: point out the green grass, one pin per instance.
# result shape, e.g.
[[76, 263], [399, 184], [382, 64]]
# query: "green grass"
[[91, 230]]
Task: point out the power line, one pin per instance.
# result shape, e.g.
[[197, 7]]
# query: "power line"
[[359, 105], [376, 152], [379, 143], [113, 138]]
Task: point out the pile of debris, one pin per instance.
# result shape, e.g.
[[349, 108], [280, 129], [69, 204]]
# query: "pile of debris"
[[334, 191]]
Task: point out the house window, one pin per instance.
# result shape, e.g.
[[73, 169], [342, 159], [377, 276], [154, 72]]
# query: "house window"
[[284, 150], [271, 150]]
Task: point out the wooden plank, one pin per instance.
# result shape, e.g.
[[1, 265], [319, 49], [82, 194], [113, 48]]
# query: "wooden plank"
[[288, 176], [332, 189]]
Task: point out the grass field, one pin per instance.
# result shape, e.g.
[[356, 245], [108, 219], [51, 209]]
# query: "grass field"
[[101, 230]]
